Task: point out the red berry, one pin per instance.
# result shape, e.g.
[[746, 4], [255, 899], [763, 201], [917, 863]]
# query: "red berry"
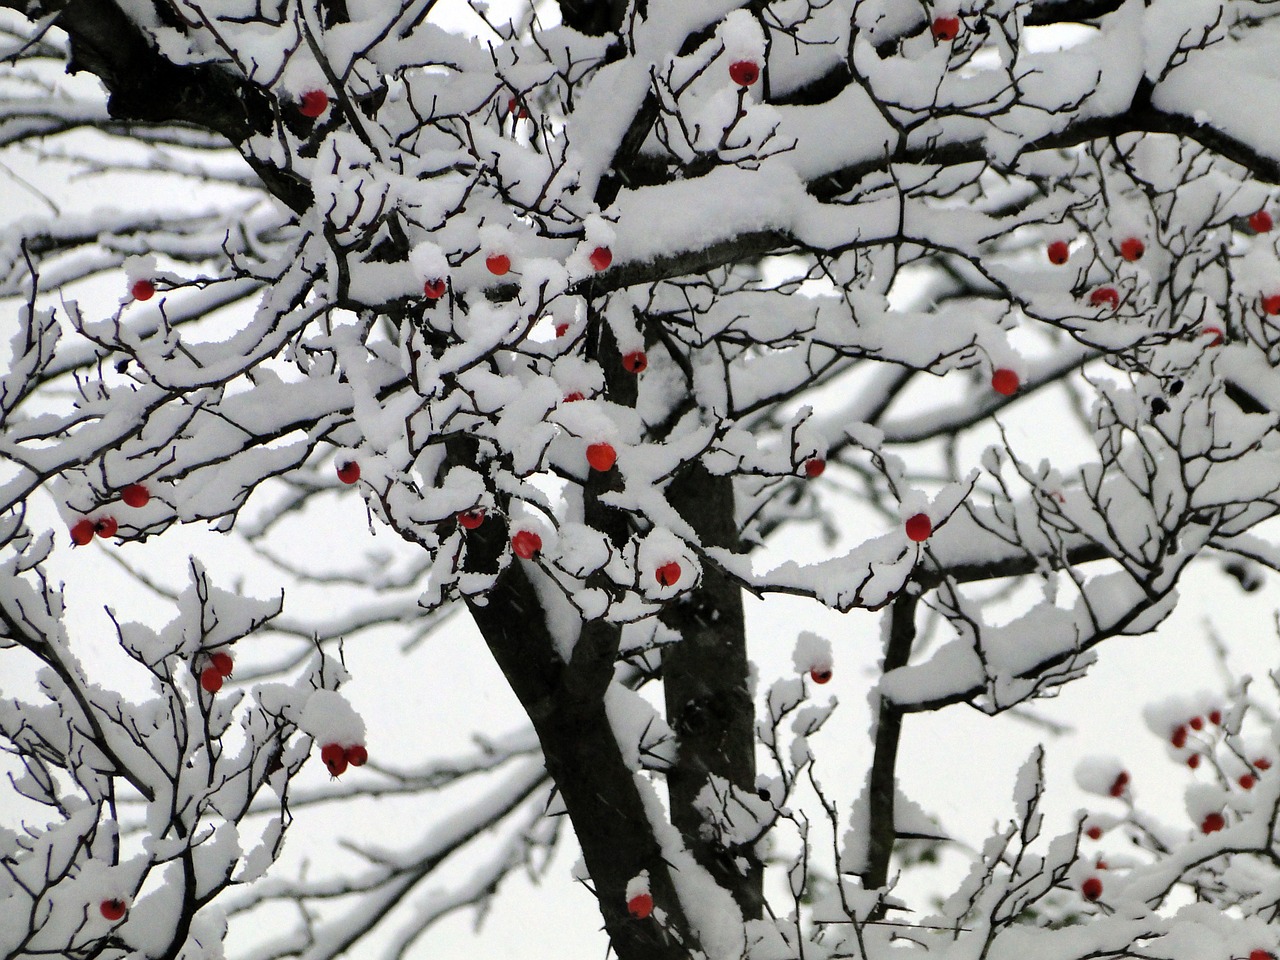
[[106, 527], [1215, 717], [1261, 955], [1119, 783], [1105, 296], [525, 544], [1131, 248], [223, 663], [498, 263], [744, 72], [1193, 761], [813, 467], [514, 106], [82, 532], [357, 755], [640, 906], [333, 756], [1261, 222], [601, 257], [211, 679], [433, 289], [1246, 781], [820, 676], [471, 519], [1212, 823], [1215, 333], [573, 397], [1059, 252], [142, 290], [1094, 832], [112, 909], [635, 361], [1179, 737], [313, 103], [601, 456], [1196, 723], [1271, 304], [1005, 382], [561, 329], [1262, 763], [1091, 889], [135, 495], [668, 573], [919, 527], [349, 472], [945, 28]]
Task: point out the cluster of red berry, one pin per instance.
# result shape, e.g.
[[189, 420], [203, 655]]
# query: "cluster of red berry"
[[85, 529], [337, 757]]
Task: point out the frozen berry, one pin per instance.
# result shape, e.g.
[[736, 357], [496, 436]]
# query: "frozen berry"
[[744, 72], [601, 456], [471, 519], [1131, 248], [1246, 781], [1215, 717], [1091, 889], [1193, 761], [223, 663], [1119, 784], [820, 675], [1059, 252], [635, 361], [433, 289], [1179, 737], [945, 28], [667, 574], [1094, 832], [1212, 823], [919, 528], [82, 532], [1261, 222], [211, 679], [1214, 334], [357, 755], [640, 906], [349, 472], [142, 290], [334, 757], [1271, 304], [135, 495], [813, 467], [601, 257], [106, 527], [525, 544], [1196, 723], [1005, 382], [573, 396], [1105, 296], [498, 263], [313, 103], [112, 909], [1262, 763]]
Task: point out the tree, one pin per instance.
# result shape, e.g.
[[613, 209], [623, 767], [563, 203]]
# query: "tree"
[[588, 306]]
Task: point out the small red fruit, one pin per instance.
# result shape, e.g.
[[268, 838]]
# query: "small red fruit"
[[106, 527], [1271, 304], [223, 663], [349, 472], [82, 532], [640, 906], [333, 756], [1215, 717], [667, 574], [1261, 955], [1193, 761], [820, 676], [601, 456], [1119, 783], [142, 290], [1215, 333], [919, 528], [211, 679], [1262, 763], [433, 289], [471, 519], [1179, 737], [1105, 296], [1246, 781], [112, 909], [635, 361], [813, 467], [1091, 889], [1005, 382], [601, 257], [1261, 222], [573, 396], [1094, 832], [561, 329], [313, 103], [1212, 823], [515, 107], [1059, 252], [1131, 248], [357, 755], [525, 544], [135, 495], [744, 72], [1196, 723], [945, 28], [498, 263]]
